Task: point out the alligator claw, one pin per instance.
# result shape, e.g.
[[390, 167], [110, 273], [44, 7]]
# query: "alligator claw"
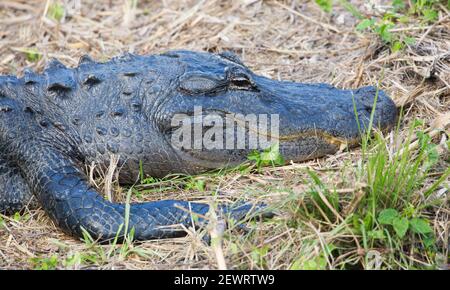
[[239, 213]]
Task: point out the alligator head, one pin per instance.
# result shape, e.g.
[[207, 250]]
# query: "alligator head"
[[306, 120]]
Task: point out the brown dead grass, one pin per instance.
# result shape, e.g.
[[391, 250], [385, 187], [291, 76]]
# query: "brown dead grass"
[[291, 40]]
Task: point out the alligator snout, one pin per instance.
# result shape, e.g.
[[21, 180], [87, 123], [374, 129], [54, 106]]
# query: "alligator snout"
[[324, 110], [320, 119], [377, 104]]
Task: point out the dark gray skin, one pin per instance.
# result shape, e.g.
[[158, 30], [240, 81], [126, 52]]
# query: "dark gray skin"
[[54, 124]]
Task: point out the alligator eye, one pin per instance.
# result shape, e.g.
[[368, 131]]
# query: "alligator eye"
[[242, 82], [199, 83]]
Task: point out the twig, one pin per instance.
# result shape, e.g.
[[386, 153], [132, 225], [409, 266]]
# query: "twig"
[[431, 28], [216, 229], [114, 160], [324, 25]]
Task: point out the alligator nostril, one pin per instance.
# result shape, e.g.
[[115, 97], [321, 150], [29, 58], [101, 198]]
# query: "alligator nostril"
[[368, 107]]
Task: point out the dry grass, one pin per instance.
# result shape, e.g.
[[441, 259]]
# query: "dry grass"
[[291, 40]]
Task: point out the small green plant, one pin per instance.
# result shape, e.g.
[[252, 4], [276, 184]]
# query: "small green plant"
[[400, 12], [270, 156], [318, 262], [383, 28], [149, 180], [426, 9], [258, 256], [401, 223], [21, 218], [56, 11], [44, 263], [391, 210], [17, 216], [394, 179], [196, 183], [146, 179], [32, 54], [78, 259], [326, 5]]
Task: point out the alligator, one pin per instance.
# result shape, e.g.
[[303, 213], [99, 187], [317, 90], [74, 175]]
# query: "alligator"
[[54, 124]]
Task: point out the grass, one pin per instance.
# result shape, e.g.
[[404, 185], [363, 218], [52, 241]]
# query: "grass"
[[383, 205], [386, 219]]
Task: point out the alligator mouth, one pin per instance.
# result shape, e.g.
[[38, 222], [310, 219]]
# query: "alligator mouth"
[[296, 147], [328, 138]]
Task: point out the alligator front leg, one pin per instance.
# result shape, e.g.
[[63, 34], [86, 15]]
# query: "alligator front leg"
[[49, 162], [14, 191]]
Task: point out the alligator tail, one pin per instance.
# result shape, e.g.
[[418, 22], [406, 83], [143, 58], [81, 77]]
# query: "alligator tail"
[[62, 188]]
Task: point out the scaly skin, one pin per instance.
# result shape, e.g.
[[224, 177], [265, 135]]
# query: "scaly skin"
[[53, 124]]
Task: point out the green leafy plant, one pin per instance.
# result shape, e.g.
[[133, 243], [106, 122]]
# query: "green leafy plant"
[[258, 255], [326, 5], [32, 54], [402, 224], [393, 181], [56, 11], [196, 183], [318, 262], [384, 25], [18, 217], [270, 156], [77, 259], [45, 263]]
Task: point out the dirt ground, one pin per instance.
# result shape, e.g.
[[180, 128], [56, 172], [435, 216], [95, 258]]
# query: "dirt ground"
[[289, 40]]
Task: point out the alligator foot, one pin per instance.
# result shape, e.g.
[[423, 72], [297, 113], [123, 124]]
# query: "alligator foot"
[[14, 192]]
